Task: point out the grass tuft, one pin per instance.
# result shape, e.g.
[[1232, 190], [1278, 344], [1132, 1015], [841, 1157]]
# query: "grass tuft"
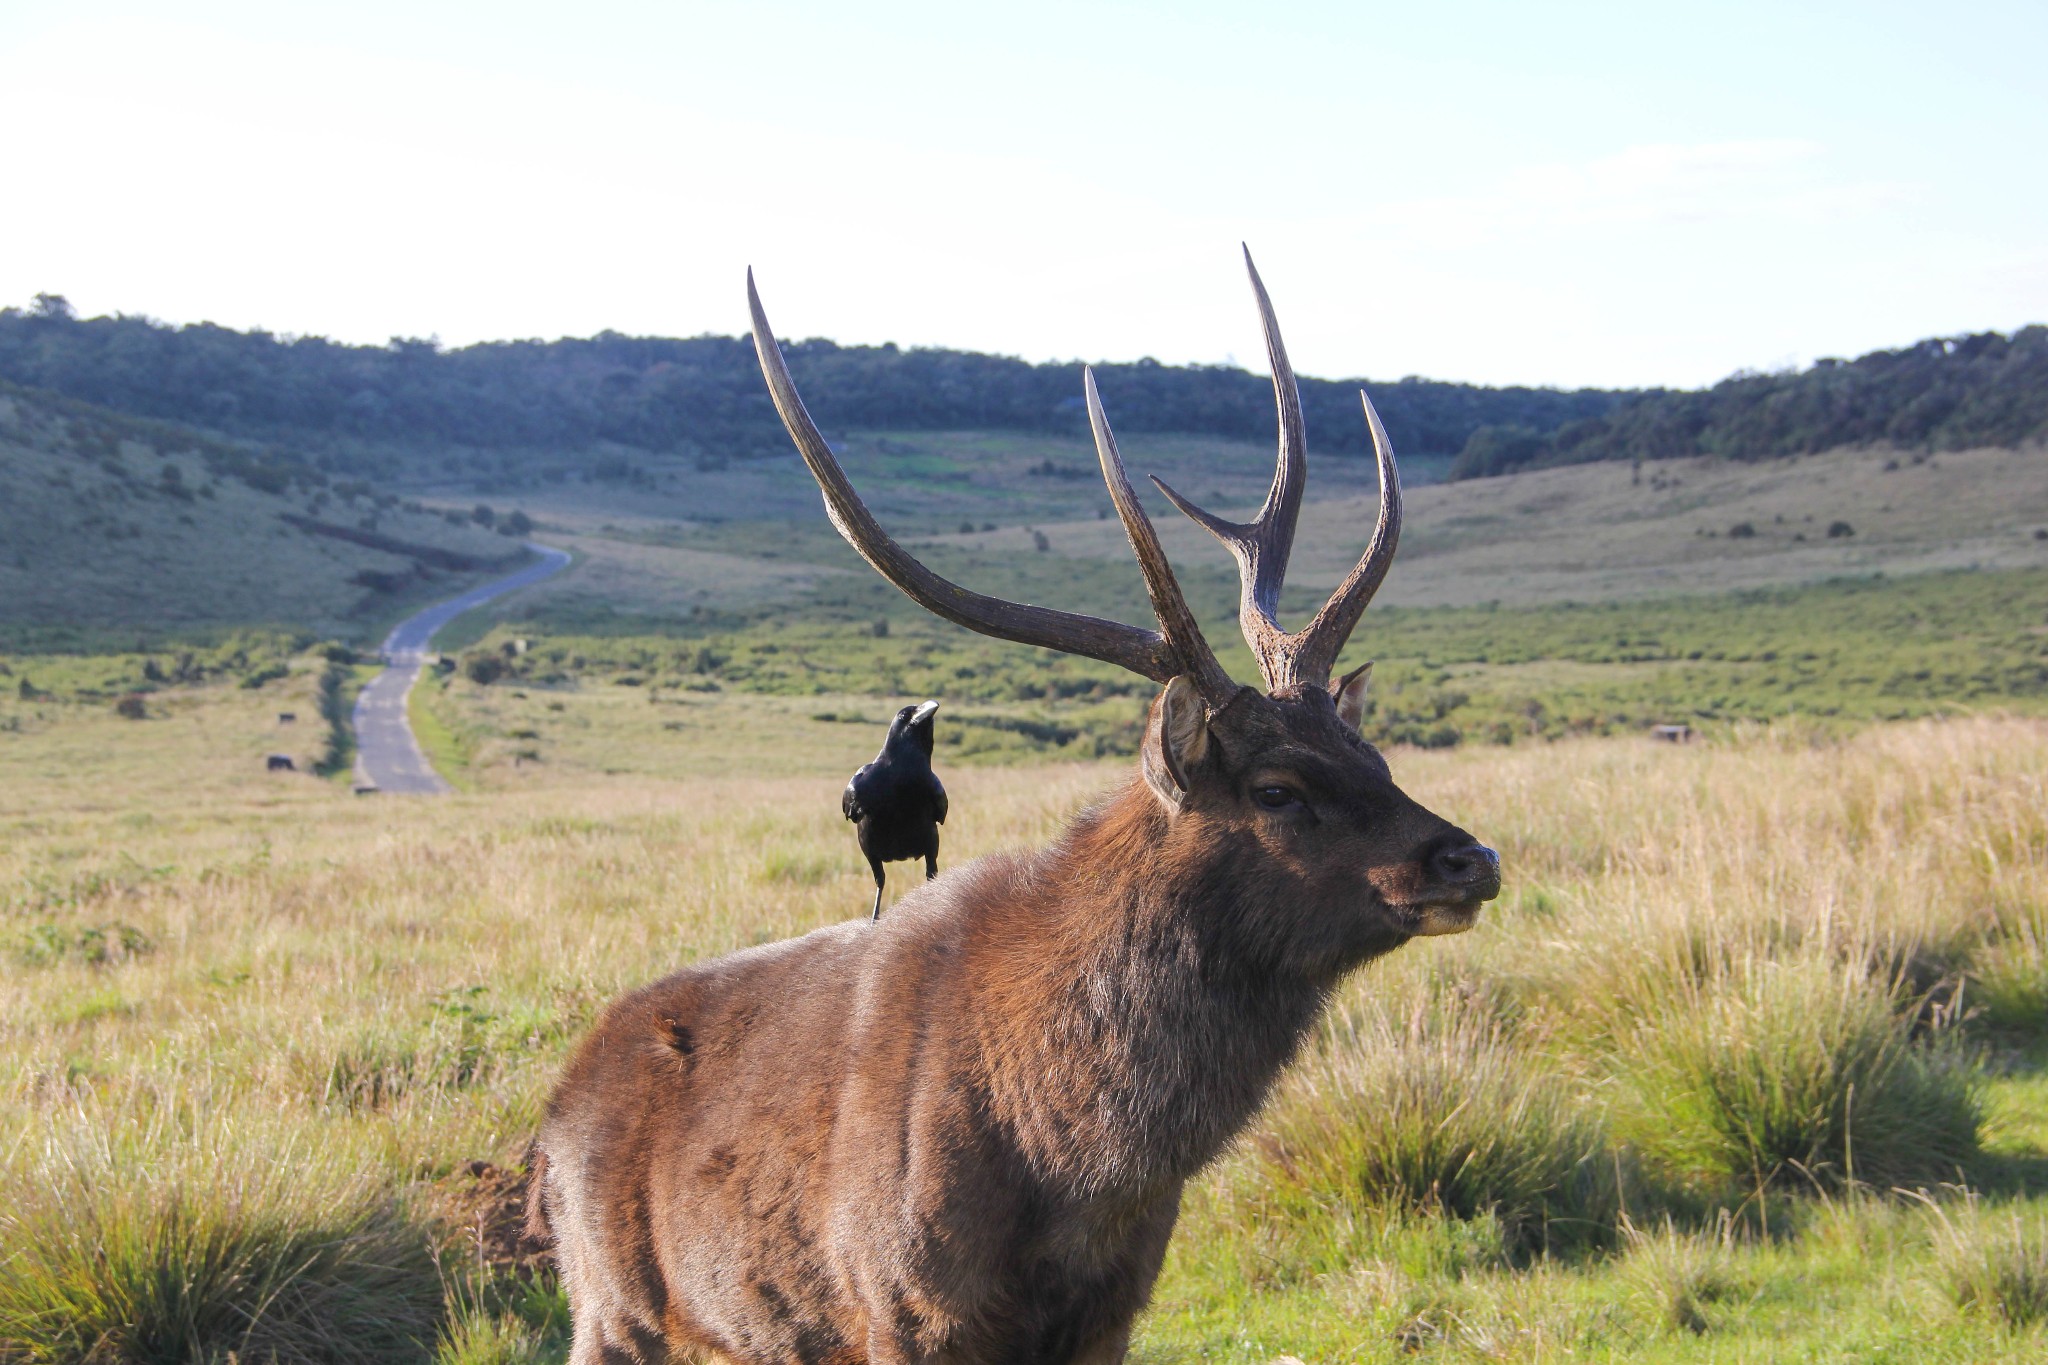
[[1805, 1072], [172, 1247], [2009, 976], [1678, 1275], [1996, 1266], [1440, 1114]]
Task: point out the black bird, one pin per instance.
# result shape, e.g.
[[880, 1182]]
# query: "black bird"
[[896, 801]]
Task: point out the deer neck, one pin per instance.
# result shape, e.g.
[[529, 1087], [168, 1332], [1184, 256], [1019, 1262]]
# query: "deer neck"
[[1134, 1029]]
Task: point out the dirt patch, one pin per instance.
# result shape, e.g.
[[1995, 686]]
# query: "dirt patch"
[[482, 1206]]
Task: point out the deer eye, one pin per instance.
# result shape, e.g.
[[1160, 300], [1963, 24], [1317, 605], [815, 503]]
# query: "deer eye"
[[1276, 798]]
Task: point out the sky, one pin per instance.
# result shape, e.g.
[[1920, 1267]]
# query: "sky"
[[1567, 194]]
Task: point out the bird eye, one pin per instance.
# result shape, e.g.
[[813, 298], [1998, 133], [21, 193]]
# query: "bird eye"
[[1276, 798]]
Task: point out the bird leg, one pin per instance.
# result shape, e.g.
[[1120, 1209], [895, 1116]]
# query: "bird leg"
[[875, 863], [931, 866]]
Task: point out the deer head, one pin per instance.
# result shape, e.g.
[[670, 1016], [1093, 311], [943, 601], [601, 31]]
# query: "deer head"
[[1275, 789]]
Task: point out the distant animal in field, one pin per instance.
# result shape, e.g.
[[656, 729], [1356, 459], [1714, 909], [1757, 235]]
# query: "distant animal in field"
[[962, 1136], [280, 763], [897, 802], [287, 718]]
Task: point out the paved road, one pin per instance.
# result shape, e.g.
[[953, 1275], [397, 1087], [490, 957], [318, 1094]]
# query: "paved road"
[[387, 756]]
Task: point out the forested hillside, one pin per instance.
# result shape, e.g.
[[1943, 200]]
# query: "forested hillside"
[[1951, 393], [383, 406], [580, 405]]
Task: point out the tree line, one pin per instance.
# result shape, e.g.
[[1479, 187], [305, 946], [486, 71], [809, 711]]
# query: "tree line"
[[372, 409], [1945, 393], [695, 395]]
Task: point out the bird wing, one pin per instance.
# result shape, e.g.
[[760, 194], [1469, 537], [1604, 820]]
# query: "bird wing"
[[849, 802], [938, 798]]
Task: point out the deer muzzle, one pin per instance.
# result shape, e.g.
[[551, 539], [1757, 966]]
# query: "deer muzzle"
[[1446, 886]]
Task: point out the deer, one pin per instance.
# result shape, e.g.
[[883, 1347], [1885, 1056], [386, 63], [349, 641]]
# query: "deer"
[[960, 1134]]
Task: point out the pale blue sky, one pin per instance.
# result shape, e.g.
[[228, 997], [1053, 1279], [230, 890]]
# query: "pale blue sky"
[[1567, 194]]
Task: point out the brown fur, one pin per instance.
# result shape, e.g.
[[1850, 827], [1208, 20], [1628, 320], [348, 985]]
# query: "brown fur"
[[960, 1134]]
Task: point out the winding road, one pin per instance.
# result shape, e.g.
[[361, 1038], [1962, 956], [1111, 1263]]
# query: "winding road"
[[388, 757]]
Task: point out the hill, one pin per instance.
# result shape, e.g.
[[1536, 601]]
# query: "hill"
[[518, 412], [530, 414], [1946, 393], [108, 523]]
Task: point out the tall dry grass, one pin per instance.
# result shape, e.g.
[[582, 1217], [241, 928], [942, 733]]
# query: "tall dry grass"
[[380, 990]]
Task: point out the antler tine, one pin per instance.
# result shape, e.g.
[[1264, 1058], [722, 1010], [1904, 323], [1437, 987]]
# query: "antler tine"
[[1152, 654], [1176, 623], [1322, 640], [1262, 546]]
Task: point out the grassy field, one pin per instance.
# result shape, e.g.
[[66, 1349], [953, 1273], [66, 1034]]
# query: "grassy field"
[[822, 682], [969, 503], [114, 530], [1750, 1062]]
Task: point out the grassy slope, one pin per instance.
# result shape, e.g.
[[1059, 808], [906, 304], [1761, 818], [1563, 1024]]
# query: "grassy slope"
[[247, 912], [110, 533], [1568, 600], [1592, 533]]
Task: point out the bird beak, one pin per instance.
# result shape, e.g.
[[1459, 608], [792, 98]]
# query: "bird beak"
[[924, 713]]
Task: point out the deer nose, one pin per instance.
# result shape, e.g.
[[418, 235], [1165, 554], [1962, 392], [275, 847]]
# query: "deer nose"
[[1469, 869]]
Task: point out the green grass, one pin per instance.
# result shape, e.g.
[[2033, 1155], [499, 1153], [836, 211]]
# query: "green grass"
[[449, 744], [1437, 1115], [161, 1240], [1828, 656], [1800, 1071], [1994, 1263]]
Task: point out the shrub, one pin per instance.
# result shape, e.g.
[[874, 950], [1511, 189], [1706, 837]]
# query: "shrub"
[[131, 708], [269, 673], [1741, 530], [1838, 529], [1800, 1072], [1440, 1114], [483, 667], [95, 945], [179, 1247]]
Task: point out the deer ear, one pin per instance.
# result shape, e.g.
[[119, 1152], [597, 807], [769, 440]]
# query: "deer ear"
[[1176, 740], [1349, 692]]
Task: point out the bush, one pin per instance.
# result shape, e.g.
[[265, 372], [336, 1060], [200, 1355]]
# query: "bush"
[[1741, 530], [1800, 1073], [1838, 529], [180, 1248], [1440, 1115], [131, 708], [1491, 450], [483, 667]]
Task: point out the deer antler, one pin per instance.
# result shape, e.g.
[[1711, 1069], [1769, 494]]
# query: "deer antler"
[[1261, 547], [1177, 647]]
